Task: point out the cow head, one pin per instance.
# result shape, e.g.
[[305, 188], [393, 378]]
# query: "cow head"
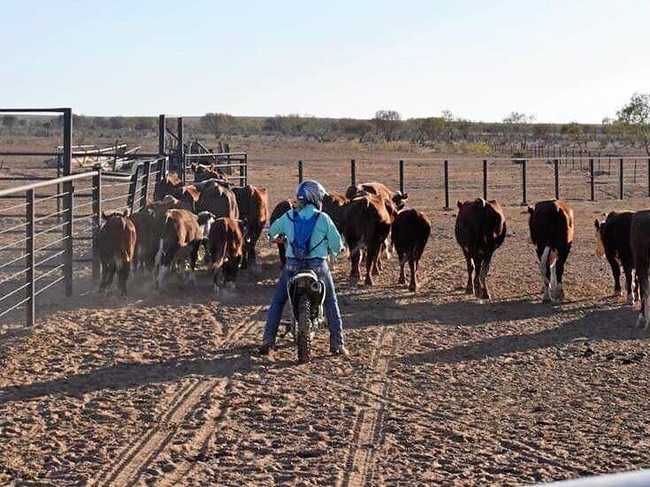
[[399, 198], [600, 247], [124, 214]]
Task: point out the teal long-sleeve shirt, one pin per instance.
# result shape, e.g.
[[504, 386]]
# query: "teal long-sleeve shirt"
[[324, 232]]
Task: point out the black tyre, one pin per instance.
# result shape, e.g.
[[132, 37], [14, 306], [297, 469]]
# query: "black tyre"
[[303, 338]]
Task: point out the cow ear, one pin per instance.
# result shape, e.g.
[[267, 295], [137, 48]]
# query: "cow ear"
[[405, 196], [530, 209], [597, 224], [104, 217], [193, 167], [459, 204], [126, 213]]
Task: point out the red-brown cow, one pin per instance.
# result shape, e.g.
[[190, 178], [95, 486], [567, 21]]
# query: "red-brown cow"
[[148, 235], [117, 240], [203, 172], [253, 205], [226, 250], [397, 197], [334, 205], [172, 185], [640, 244], [480, 229], [409, 233], [280, 209], [613, 241], [552, 229], [181, 238], [367, 224], [218, 200]]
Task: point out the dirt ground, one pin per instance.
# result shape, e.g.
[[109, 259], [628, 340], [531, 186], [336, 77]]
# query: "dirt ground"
[[166, 389]]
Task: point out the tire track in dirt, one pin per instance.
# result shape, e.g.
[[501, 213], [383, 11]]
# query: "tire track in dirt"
[[360, 461], [136, 457]]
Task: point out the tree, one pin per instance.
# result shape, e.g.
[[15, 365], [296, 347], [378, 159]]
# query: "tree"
[[9, 121], [386, 123], [516, 128], [575, 132], [217, 124], [635, 117], [351, 127]]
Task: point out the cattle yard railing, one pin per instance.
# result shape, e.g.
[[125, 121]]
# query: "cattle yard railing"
[[234, 164], [48, 230], [609, 177]]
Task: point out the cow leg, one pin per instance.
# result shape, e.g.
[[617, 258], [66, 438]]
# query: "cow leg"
[[123, 276], [545, 272], [485, 268], [469, 288], [616, 272], [371, 260], [413, 286], [402, 275], [478, 261], [644, 312], [105, 273], [629, 282], [194, 254], [563, 254], [355, 257]]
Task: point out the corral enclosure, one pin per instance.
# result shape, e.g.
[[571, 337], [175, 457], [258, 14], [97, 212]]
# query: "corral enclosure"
[[166, 389]]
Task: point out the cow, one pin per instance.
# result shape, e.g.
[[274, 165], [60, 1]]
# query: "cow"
[[480, 229], [116, 242], [640, 244], [397, 197], [367, 224], [280, 209], [253, 206], [409, 233], [173, 186], [181, 237], [218, 200], [204, 172], [226, 250], [334, 205], [613, 241], [148, 234], [552, 229]]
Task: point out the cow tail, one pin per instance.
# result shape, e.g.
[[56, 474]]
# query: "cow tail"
[[544, 262], [219, 249], [126, 245]]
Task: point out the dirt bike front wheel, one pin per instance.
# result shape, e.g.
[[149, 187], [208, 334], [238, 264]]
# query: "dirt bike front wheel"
[[303, 329]]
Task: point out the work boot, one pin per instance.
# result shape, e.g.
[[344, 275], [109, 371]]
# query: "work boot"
[[339, 350], [265, 349]]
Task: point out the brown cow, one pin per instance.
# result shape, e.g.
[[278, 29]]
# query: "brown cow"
[[280, 209], [552, 229], [204, 172], [397, 197], [148, 234], [116, 240], [226, 250], [480, 229], [613, 241], [410, 232], [640, 244], [173, 186], [218, 200], [253, 205], [181, 237], [367, 225]]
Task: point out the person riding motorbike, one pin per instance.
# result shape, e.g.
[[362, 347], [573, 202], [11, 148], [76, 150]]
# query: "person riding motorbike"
[[324, 237]]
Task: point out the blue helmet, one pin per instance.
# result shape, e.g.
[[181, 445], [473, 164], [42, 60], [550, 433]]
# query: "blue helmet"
[[311, 191]]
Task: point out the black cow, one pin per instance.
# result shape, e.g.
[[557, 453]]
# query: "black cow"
[[613, 241], [552, 229], [480, 229]]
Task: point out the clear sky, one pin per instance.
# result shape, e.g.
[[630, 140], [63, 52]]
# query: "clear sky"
[[557, 60]]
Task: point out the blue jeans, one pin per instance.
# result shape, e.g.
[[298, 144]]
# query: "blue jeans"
[[280, 297]]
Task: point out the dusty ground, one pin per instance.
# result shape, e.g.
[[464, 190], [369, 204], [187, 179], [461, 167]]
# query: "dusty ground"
[[439, 388]]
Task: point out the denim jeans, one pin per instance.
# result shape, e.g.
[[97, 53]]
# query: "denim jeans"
[[280, 297]]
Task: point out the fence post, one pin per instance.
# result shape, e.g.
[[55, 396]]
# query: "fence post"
[[162, 129], [245, 169], [29, 259], [591, 179], [353, 172], [299, 172], [97, 211], [523, 182], [68, 206], [649, 178], [145, 185], [446, 178], [556, 177], [133, 185], [401, 176], [485, 179], [620, 178], [181, 147]]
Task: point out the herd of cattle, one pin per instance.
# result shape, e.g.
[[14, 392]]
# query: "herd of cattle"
[[228, 221]]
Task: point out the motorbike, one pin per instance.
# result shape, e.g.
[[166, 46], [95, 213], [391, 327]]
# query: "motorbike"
[[306, 293]]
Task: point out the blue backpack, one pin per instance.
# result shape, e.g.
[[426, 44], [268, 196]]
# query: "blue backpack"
[[302, 230]]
